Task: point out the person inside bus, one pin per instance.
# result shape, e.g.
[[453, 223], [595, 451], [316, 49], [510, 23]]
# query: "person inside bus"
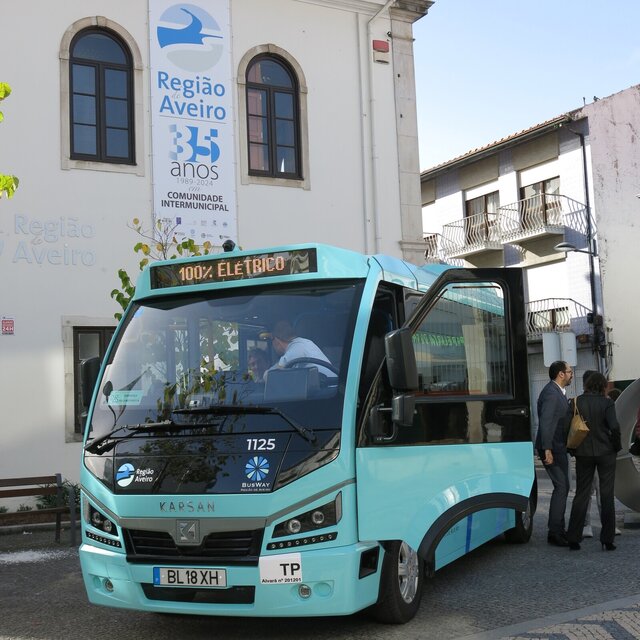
[[257, 363], [291, 347], [554, 415], [598, 451]]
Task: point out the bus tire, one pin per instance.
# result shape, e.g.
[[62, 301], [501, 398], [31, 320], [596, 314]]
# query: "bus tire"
[[401, 581], [521, 533]]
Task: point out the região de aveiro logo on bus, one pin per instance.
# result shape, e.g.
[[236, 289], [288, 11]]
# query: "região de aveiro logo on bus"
[[127, 474]]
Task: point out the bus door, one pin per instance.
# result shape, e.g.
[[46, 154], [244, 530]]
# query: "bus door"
[[444, 445]]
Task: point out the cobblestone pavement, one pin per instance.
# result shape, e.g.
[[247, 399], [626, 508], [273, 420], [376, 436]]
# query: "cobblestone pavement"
[[614, 620], [621, 623]]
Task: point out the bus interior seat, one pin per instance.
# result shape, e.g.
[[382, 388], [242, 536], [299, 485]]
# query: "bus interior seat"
[[327, 330], [291, 384]]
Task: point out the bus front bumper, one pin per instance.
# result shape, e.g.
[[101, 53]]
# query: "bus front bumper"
[[330, 584]]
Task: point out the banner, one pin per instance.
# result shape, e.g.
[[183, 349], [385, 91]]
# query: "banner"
[[192, 119]]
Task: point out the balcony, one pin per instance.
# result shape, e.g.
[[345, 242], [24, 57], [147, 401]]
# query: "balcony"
[[432, 247], [541, 217], [557, 315], [536, 217], [471, 235]]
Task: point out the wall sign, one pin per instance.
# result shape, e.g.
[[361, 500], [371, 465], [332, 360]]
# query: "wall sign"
[[8, 326], [193, 120]]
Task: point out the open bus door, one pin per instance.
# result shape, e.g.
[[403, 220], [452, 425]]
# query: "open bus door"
[[447, 461]]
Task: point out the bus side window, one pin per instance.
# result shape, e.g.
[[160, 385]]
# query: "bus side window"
[[461, 349], [411, 301], [461, 344]]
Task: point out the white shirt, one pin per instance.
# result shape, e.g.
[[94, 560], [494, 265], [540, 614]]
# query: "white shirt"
[[303, 348], [563, 389]]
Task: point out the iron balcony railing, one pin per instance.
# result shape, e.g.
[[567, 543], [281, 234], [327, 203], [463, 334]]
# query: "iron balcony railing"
[[533, 217], [538, 215], [432, 247], [556, 314], [480, 232]]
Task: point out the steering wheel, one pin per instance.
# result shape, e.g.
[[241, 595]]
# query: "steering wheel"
[[323, 363]]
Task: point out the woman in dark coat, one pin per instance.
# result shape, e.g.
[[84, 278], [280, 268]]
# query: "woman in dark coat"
[[597, 452]]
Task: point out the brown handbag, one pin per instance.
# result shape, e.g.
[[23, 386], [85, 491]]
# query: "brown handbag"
[[578, 430]]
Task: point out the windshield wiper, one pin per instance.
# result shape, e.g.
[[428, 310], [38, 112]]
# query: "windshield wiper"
[[228, 409], [94, 445]]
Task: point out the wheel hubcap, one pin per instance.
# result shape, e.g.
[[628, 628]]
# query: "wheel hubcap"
[[408, 572]]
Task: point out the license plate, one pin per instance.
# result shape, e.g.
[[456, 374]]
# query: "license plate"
[[181, 577]]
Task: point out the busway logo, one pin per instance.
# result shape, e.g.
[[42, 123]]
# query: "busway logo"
[[257, 468], [125, 474], [190, 38]]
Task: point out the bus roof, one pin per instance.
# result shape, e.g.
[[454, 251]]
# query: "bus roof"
[[409, 274]]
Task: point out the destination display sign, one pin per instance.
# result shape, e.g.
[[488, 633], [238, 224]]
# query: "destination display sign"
[[224, 269]]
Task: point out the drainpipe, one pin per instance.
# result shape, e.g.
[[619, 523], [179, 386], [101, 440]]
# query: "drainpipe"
[[372, 132], [591, 252]]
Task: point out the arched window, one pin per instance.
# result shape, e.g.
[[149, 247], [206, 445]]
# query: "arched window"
[[101, 98], [273, 119]]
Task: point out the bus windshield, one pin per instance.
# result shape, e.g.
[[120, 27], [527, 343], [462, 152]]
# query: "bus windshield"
[[231, 360]]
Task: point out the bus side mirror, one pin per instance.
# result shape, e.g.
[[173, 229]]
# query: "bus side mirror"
[[401, 360], [403, 409], [89, 370], [381, 428]]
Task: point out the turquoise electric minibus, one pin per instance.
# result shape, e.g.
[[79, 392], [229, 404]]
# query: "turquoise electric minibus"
[[394, 438]]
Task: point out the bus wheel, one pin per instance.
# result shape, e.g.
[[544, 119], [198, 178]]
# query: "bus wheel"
[[524, 526], [524, 520], [401, 583]]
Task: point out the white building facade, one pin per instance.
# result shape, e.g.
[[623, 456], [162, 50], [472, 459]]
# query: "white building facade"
[[312, 124], [571, 180]]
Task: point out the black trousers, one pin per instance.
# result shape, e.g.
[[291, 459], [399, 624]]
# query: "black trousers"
[[559, 474], [585, 470]]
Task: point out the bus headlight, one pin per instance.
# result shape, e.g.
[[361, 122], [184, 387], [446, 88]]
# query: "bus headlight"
[[294, 526], [326, 515], [99, 521]]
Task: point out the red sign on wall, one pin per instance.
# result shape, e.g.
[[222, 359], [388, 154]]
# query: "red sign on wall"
[[8, 326]]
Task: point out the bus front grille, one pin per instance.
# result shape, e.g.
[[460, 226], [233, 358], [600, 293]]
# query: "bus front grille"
[[233, 595], [223, 547]]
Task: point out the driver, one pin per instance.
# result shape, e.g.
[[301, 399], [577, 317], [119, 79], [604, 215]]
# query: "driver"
[[291, 347]]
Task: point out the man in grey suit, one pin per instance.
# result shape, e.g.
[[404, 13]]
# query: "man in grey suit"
[[554, 414]]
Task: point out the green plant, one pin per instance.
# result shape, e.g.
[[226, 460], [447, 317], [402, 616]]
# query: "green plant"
[[25, 507], [3, 509], [49, 501], [159, 243], [8, 184]]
